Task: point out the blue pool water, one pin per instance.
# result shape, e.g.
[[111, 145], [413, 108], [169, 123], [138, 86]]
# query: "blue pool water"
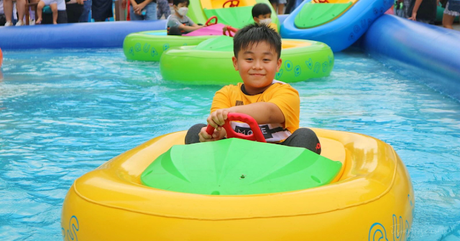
[[65, 112]]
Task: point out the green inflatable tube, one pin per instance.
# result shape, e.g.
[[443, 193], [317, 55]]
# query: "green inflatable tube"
[[210, 62], [150, 45]]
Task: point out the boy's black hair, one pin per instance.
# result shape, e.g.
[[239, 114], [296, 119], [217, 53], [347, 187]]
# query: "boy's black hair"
[[176, 2], [254, 34], [260, 9]]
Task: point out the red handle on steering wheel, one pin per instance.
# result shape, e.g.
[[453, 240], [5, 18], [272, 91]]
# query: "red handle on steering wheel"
[[256, 133], [208, 23], [230, 31], [237, 2]]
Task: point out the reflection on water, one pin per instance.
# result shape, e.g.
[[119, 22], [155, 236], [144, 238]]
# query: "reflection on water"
[[64, 113]]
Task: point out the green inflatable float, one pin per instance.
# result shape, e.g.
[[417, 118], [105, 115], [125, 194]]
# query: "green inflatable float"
[[150, 45], [210, 62]]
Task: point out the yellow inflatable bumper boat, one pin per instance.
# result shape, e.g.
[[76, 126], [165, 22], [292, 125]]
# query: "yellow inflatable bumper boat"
[[370, 198]]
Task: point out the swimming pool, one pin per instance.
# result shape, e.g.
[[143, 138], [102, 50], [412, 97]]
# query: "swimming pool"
[[65, 112]]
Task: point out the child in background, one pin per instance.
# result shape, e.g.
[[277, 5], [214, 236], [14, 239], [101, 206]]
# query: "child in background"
[[179, 23], [273, 104], [54, 9], [261, 14]]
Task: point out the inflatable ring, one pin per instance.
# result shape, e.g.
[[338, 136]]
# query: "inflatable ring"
[[338, 23], [150, 45], [210, 62], [370, 199], [1, 58]]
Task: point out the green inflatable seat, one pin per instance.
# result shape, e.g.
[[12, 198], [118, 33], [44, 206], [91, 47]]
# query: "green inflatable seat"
[[316, 14], [238, 167]]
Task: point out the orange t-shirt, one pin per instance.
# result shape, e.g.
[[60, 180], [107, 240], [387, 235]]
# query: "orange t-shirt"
[[279, 93]]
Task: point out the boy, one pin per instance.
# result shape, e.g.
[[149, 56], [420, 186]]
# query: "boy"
[[261, 14], [273, 104], [179, 23]]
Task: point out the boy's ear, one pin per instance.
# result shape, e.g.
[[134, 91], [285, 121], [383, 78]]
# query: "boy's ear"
[[256, 19], [278, 66], [235, 63]]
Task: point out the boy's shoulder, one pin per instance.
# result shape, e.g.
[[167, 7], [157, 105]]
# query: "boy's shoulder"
[[276, 85]]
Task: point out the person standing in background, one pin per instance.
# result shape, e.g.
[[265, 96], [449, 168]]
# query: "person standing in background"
[[101, 10], [423, 11], [163, 9], [74, 9], [84, 17], [2, 14], [143, 10], [451, 11]]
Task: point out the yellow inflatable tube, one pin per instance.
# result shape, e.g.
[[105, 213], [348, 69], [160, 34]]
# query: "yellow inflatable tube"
[[371, 199]]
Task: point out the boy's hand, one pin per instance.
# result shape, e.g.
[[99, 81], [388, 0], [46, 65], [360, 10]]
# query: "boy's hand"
[[217, 118], [218, 134]]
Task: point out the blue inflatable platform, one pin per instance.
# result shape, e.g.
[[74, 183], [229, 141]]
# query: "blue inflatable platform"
[[342, 30], [417, 48], [73, 35]]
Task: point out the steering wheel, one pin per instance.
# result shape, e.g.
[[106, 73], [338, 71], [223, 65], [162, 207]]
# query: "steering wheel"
[[230, 31], [256, 133], [209, 22], [233, 3]]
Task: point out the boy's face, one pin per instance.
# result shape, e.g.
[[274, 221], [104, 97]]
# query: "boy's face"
[[257, 66], [262, 17], [178, 6]]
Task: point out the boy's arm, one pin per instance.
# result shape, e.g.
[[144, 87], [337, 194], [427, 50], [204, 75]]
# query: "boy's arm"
[[190, 28], [262, 112]]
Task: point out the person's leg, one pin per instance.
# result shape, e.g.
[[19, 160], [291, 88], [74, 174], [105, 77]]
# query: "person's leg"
[[8, 9], [21, 8], [275, 6], [2, 19], [290, 6], [161, 8], [304, 137], [40, 6], [54, 9], [447, 21], [151, 11], [62, 16], [281, 4], [281, 8], [84, 17], [192, 134], [74, 11]]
